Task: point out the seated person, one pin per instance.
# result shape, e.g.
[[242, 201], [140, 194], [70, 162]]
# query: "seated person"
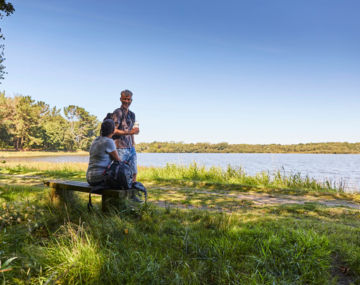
[[102, 152]]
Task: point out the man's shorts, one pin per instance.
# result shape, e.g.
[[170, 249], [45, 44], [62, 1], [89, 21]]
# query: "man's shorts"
[[129, 155]]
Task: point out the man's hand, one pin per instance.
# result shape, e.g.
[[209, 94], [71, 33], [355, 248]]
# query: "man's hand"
[[134, 131]]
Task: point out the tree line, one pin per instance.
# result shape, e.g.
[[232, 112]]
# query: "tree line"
[[29, 124], [179, 147]]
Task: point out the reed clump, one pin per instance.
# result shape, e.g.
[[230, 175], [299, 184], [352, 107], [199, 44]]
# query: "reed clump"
[[279, 179]]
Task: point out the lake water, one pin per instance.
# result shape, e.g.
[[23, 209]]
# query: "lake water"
[[339, 168]]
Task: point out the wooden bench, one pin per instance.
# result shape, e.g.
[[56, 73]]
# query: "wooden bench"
[[62, 192]]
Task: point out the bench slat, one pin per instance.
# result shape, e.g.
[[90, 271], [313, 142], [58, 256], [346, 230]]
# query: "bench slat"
[[81, 187]]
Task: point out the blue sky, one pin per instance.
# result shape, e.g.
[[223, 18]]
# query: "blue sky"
[[254, 71]]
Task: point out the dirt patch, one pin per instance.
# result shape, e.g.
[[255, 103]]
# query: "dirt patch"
[[266, 199]]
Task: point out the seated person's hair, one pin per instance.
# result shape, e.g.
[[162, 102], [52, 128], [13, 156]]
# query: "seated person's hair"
[[107, 127], [108, 116]]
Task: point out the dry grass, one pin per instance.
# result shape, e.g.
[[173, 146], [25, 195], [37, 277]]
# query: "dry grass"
[[20, 154]]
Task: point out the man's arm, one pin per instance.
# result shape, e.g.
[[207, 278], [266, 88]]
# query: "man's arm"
[[134, 131], [117, 119]]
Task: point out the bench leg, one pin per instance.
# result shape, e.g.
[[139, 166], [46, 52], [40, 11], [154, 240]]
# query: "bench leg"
[[118, 202], [60, 197], [113, 202]]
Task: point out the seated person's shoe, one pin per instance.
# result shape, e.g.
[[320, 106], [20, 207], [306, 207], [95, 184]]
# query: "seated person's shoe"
[[136, 199]]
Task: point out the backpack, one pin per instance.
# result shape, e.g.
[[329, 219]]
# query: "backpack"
[[118, 175]]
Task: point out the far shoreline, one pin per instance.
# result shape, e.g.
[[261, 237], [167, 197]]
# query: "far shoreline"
[[180, 147], [34, 154]]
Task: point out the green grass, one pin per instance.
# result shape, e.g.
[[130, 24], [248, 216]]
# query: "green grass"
[[41, 243], [289, 244], [233, 176], [193, 175]]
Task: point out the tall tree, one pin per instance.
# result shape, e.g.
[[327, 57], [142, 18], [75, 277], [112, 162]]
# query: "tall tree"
[[7, 114], [6, 9], [82, 128], [53, 129], [27, 122]]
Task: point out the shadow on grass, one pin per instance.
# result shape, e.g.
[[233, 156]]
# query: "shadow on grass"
[[223, 188]]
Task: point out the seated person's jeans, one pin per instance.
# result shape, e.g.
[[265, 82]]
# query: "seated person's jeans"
[[129, 155]]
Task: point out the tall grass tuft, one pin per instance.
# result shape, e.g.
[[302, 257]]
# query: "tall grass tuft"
[[194, 172], [74, 256]]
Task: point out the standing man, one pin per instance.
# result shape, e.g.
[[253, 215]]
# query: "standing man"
[[124, 131]]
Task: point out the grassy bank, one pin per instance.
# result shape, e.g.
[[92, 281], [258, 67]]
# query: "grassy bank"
[[193, 175], [196, 174], [289, 244]]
